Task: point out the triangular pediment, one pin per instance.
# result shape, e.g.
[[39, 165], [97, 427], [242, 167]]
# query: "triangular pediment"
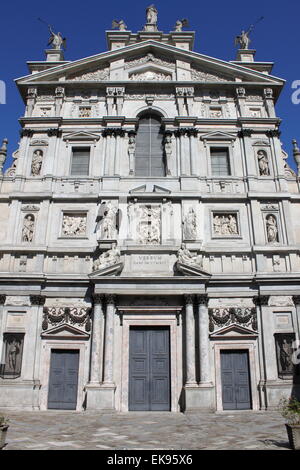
[[218, 136], [65, 331], [201, 68], [80, 136], [150, 188], [234, 331]]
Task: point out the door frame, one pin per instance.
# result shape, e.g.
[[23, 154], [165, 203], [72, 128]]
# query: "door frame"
[[45, 370], [249, 346], [175, 356]]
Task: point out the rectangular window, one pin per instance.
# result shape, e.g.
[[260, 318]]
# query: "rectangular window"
[[219, 161], [80, 161], [11, 363]]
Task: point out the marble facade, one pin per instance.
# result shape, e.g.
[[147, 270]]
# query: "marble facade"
[[85, 257]]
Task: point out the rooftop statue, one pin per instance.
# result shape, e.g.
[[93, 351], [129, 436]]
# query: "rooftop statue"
[[181, 24], [119, 24], [243, 40], [55, 40], [151, 15]]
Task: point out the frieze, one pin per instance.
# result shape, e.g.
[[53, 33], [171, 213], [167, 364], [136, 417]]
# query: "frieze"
[[91, 75], [55, 316], [149, 58], [150, 75], [221, 317], [201, 76]]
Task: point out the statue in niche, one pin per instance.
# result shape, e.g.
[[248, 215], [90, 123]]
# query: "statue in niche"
[[272, 229], [108, 258], [28, 228], [168, 151], [263, 163], [119, 24], [151, 15], [181, 24], [190, 225], [131, 152], [37, 161], [186, 257], [108, 220], [13, 351]]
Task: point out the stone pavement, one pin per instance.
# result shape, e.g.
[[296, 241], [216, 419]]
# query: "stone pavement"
[[65, 430]]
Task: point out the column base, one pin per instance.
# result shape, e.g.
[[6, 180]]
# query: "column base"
[[100, 397], [199, 397]]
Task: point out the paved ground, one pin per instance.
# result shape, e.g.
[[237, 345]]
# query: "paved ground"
[[91, 431]]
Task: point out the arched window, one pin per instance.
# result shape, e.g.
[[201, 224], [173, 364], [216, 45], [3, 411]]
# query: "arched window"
[[149, 156]]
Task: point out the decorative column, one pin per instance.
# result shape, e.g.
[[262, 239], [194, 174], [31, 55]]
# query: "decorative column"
[[190, 340], [37, 302], [261, 303], [97, 340], [101, 395], [206, 387], [204, 346], [109, 340]]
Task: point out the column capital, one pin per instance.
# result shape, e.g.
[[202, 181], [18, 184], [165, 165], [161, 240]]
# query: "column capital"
[[98, 298], [202, 299], [296, 299], [37, 300], [189, 298], [111, 299], [261, 300]]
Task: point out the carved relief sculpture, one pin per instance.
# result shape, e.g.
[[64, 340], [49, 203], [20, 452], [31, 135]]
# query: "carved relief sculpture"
[[190, 225], [149, 229], [184, 256], [74, 225], [225, 225], [28, 228], [263, 163], [37, 160], [108, 258], [131, 152], [272, 229]]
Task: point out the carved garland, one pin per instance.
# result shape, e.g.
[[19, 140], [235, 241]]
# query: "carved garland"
[[75, 316], [220, 317]]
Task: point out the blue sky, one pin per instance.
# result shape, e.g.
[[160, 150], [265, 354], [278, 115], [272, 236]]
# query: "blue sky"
[[216, 23]]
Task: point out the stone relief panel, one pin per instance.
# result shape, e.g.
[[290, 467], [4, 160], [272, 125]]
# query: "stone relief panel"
[[225, 224], [200, 75], [222, 317], [78, 316], [149, 224], [74, 224]]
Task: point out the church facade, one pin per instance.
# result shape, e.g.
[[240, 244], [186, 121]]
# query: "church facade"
[[150, 232]]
